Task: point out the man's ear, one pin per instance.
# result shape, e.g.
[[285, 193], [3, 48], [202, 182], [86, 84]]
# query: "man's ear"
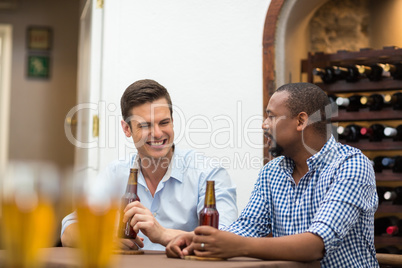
[[302, 121], [126, 128]]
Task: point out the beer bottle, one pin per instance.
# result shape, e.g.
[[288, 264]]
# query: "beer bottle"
[[125, 229], [209, 214]]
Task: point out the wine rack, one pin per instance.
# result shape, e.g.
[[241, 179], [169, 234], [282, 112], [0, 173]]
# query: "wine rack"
[[387, 115]]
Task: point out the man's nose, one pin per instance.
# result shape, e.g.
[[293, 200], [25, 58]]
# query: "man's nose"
[[264, 124], [156, 131]]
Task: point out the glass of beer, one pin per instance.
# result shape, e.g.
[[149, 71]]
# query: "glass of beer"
[[28, 192], [97, 201]]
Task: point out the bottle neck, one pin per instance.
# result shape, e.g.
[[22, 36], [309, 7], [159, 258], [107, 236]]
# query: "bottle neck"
[[132, 181], [210, 195]]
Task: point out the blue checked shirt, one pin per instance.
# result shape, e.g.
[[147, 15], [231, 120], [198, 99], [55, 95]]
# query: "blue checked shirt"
[[336, 200]]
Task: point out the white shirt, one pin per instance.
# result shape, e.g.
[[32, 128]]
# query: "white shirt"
[[180, 194]]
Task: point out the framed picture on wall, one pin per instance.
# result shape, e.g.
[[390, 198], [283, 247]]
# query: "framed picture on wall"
[[38, 66], [39, 38]]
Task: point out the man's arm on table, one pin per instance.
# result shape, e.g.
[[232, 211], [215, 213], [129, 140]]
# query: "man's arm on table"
[[69, 237], [225, 190], [142, 219], [299, 247]]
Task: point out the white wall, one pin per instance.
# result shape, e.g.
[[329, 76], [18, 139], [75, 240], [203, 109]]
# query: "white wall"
[[5, 77], [208, 54]]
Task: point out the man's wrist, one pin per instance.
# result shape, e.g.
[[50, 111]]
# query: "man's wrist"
[[168, 235]]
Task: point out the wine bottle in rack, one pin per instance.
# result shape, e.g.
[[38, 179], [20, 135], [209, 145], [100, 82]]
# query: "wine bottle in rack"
[[397, 165], [350, 73], [395, 133], [351, 133], [391, 225], [332, 98], [326, 74], [396, 71], [377, 71], [394, 163], [380, 192], [352, 103], [363, 70], [378, 163], [393, 195], [376, 102], [388, 162], [374, 132], [396, 101]]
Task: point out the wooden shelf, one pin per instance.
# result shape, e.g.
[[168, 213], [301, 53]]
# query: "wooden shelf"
[[390, 240], [366, 115], [364, 56], [363, 85], [389, 208], [385, 144], [388, 175]]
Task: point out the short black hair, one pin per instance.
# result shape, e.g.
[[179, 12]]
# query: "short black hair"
[[140, 92], [308, 98]]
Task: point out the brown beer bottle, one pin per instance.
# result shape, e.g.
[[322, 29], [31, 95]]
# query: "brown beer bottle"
[[125, 229], [209, 214]]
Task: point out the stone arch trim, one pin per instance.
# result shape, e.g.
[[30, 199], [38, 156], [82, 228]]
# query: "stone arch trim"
[[268, 56]]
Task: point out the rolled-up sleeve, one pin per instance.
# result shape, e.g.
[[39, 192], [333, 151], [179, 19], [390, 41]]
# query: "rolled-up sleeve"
[[67, 220], [109, 173], [254, 220]]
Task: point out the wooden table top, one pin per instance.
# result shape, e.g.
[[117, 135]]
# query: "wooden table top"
[[60, 257]]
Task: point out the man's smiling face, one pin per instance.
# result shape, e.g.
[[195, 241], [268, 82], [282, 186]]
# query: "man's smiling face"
[[151, 129]]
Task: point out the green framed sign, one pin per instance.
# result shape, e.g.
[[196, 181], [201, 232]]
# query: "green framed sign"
[[38, 66]]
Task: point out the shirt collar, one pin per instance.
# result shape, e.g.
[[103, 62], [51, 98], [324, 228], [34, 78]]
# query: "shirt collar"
[[176, 165], [171, 171], [288, 164], [317, 158]]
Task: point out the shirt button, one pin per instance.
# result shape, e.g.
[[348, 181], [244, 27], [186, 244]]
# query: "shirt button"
[[146, 190], [154, 214]]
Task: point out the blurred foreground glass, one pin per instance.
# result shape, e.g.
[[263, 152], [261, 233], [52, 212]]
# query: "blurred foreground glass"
[[28, 192], [97, 202]]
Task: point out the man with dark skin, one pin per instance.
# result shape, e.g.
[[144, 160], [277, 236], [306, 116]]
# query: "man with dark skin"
[[318, 198]]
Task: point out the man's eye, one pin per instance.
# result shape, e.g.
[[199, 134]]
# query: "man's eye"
[[144, 126]]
